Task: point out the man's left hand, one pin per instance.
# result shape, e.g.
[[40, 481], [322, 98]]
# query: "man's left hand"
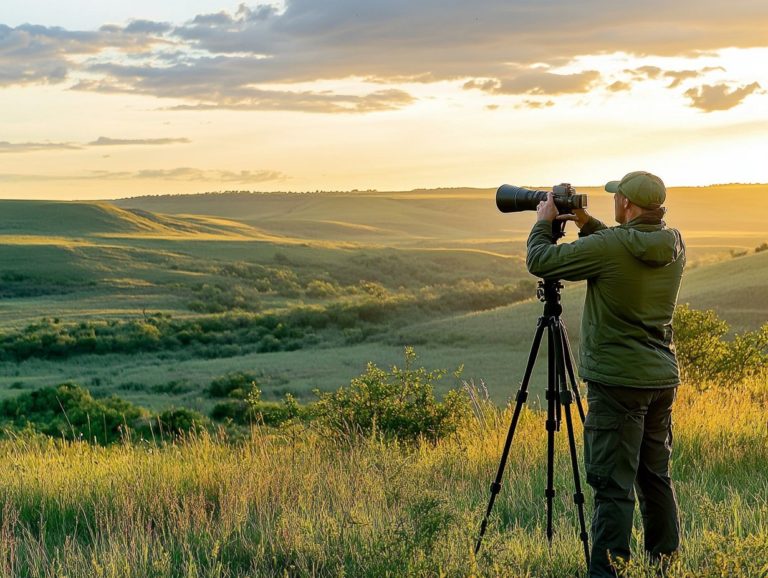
[[546, 210]]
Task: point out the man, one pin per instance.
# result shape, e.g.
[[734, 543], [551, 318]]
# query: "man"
[[627, 358]]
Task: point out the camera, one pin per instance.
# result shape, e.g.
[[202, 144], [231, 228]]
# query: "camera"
[[511, 199]]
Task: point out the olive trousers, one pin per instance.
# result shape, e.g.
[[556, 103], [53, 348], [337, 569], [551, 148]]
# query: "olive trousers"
[[627, 446]]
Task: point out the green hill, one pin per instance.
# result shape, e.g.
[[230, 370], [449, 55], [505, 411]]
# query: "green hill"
[[72, 219], [710, 221]]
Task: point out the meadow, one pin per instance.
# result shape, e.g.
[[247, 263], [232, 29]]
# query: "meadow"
[[299, 501]]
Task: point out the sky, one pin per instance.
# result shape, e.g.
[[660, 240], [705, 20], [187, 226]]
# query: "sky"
[[105, 99]]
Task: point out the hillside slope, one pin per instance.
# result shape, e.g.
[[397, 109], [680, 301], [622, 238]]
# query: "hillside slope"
[[88, 219], [736, 289], [709, 220]]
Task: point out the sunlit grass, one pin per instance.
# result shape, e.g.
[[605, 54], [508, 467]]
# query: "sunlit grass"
[[299, 502]]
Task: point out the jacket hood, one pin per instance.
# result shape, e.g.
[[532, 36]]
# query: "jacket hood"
[[655, 245]]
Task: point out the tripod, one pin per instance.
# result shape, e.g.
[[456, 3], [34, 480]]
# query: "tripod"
[[559, 399]]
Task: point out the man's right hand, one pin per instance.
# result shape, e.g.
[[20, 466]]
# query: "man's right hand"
[[579, 216]]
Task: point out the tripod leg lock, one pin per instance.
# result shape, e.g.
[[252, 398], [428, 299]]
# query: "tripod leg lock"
[[549, 493], [578, 498], [566, 397], [521, 396], [552, 425], [495, 488]]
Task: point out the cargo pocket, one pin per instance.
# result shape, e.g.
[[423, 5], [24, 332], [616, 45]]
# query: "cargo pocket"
[[601, 442]]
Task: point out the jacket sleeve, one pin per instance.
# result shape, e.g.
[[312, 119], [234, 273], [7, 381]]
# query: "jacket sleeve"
[[591, 226], [575, 261]]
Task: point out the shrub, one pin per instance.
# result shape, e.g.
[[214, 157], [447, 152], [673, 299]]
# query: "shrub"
[[705, 356], [235, 384], [319, 289], [70, 411], [698, 343], [236, 410], [399, 403], [181, 420]]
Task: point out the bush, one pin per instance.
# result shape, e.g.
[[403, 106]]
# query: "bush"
[[181, 420], [236, 384], [399, 403], [70, 411], [705, 356]]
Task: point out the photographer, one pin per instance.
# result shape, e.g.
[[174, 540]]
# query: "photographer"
[[627, 358]]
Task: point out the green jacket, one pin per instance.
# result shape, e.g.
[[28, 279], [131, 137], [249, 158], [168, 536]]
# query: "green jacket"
[[633, 274]]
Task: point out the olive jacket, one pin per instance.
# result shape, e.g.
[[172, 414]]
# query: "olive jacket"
[[633, 274]]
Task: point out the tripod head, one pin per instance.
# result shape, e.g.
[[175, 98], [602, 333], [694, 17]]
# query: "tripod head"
[[548, 292]]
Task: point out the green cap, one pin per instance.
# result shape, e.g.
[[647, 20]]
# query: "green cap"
[[642, 188]]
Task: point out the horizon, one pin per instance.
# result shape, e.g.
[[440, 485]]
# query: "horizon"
[[600, 190], [115, 100]]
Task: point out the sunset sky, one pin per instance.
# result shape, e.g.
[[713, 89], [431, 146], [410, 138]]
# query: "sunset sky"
[[104, 99]]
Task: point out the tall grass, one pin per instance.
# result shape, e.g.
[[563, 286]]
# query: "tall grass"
[[299, 502]]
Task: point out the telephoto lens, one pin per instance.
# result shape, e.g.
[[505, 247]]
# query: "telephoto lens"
[[510, 199]]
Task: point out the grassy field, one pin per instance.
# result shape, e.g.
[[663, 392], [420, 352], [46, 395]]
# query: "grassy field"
[[298, 502]]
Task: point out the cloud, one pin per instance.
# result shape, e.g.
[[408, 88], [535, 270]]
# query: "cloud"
[[206, 94], [538, 82], [147, 27], [245, 59], [107, 141], [178, 174], [645, 72], [40, 54], [677, 76], [29, 147], [619, 86], [538, 103], [710, 98]]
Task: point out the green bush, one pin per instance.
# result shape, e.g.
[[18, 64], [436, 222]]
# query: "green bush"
[[181, 420], [70, 411], [235, 384], [399, 403], [705, 356]]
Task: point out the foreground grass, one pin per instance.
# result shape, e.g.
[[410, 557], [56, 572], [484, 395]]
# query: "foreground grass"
[[298, 502]]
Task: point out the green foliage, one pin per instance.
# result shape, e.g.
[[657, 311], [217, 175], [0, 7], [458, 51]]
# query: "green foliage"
[[231, 334], [236, 384], [705, 356], [218, 298], [70, 411], [253, 410], [320, 289], [181, 420], [399, 403]]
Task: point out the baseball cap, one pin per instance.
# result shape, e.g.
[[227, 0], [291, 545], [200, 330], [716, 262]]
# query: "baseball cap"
[[642, 188]]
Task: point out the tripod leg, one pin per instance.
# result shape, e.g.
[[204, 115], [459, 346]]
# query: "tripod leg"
[[566, 398], [552, 420], [568, 357], [522, 396]]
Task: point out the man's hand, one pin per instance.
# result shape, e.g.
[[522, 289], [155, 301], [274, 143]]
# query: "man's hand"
[[579, 216], [546, 210]]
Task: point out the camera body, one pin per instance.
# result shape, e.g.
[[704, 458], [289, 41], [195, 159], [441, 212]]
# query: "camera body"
[[510, 199]]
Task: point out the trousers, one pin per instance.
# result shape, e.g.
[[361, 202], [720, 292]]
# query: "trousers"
[[627, 448]]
